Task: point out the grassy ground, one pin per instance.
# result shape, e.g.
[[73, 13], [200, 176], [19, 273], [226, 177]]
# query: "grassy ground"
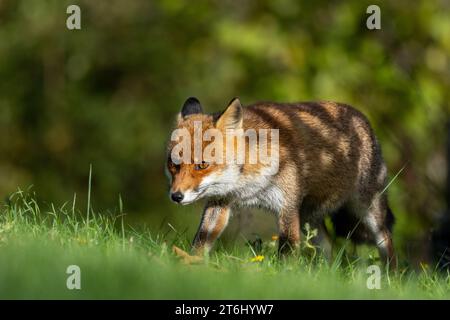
[[37, 246]]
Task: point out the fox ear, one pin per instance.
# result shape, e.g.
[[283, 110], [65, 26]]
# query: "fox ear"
[[231, 118], [191, 106]]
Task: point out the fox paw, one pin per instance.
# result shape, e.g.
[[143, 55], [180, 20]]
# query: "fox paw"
[[185, 257]]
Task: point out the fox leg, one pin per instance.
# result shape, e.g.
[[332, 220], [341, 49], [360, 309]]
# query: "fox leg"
[[386, 249], [214, 220], [289, 231], [376, 223], [383, 241]]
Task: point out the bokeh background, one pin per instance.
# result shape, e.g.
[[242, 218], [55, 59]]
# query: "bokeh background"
[[108, 94]]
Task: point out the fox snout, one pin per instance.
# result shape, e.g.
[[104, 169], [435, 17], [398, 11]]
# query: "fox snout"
[[185, 197], [177, 196], [184, 187]]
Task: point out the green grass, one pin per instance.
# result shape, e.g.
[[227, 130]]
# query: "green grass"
[[37, 245]]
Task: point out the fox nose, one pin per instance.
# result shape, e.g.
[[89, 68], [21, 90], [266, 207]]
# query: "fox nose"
[[177, 196]]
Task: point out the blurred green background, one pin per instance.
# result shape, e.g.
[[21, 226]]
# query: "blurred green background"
[[108, 94]]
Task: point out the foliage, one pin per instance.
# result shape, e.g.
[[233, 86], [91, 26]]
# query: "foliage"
[[38, 244]]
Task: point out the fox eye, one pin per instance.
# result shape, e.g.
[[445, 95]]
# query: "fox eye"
[[172, 165], [202, 165]]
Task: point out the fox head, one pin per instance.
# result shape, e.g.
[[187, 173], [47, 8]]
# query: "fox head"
[[193, 172]]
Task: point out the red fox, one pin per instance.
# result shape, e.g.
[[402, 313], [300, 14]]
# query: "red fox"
[[329, 164]]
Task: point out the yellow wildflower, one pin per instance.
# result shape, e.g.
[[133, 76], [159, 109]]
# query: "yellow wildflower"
[[257, 259]]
